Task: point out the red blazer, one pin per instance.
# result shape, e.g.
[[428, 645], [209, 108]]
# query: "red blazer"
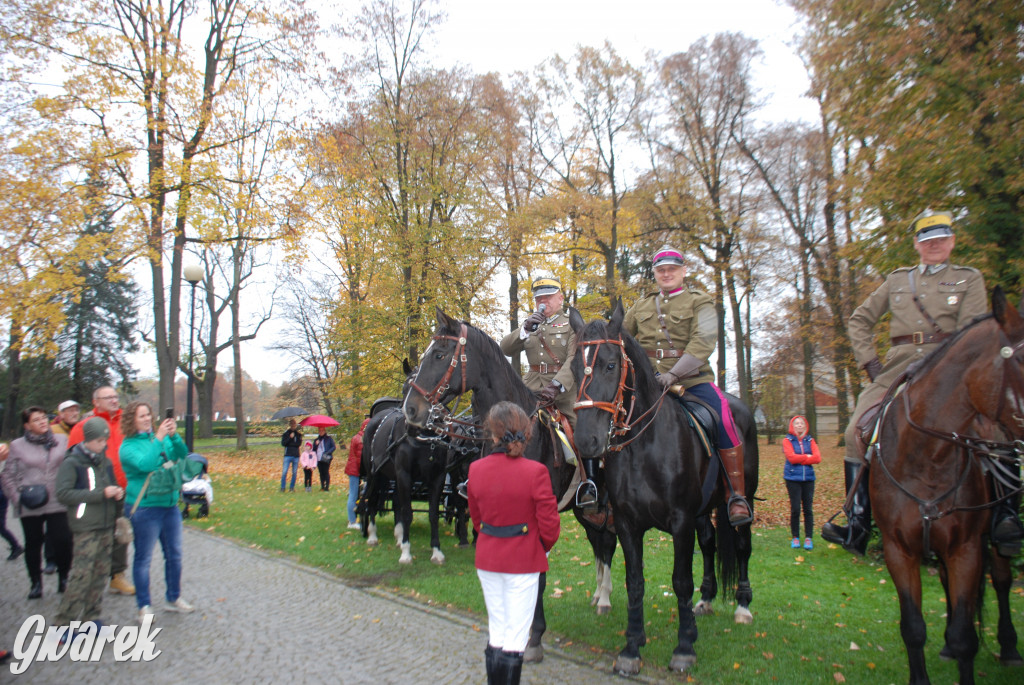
[[505, 491]]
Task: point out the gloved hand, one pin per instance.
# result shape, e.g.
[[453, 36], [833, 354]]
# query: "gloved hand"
[[873, 367], [667, 379], [549, 393], [534, 320]]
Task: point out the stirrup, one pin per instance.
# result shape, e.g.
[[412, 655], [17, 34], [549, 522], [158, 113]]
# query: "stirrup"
[[586, 495], [749, 518], [462, 489]]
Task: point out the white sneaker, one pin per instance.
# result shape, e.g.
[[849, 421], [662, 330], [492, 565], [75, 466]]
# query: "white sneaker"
[[354, 526], [144, 612], [180, 606]]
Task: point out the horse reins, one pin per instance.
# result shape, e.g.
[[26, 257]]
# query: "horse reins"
[[458, 355], [621, 421]]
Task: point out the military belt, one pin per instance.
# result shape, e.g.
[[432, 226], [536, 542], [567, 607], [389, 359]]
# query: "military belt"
[[504, 531], [919, 338], [661, 354], [545, 368]]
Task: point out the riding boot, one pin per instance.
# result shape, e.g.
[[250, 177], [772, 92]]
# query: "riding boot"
[[36, 591], [586, 493], [1007, 531], [511, 667], [740, 512], [854, 536], [491, 660]]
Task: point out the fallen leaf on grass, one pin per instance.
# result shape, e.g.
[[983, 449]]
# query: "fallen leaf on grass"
[[854, 647], [840, 678]]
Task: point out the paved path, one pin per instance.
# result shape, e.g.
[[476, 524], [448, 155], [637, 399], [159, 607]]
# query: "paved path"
[[261, 618]]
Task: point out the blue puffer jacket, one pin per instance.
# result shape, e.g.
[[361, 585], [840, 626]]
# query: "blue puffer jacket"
[[801, 453]]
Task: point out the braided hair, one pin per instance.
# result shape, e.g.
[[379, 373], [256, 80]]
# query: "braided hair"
[[508, 426]]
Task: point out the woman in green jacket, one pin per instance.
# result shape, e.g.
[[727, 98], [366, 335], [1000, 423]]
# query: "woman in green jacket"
[[149, 459]]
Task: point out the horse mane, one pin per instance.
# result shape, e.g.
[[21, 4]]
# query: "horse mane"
[[939, 352], [494, 361]]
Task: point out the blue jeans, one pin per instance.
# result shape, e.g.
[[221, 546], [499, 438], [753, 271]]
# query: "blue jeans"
[[294, 463], [353, 495], [149, 525]]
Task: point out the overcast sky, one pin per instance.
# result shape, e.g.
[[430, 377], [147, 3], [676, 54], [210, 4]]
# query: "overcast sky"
[[508, 36]]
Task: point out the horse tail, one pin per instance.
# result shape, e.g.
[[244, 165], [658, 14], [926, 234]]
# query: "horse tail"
[[728, 541]]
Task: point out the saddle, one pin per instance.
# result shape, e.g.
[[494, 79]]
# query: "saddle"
[[867, 425], [704, 420]]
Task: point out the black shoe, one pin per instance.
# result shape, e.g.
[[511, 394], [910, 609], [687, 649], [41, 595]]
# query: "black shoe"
[[16, 552], [62, 584], [853, 538], [50, 569], [1007, 535], [37, 590]]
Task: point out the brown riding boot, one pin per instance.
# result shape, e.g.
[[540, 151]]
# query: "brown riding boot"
[[740, 512]]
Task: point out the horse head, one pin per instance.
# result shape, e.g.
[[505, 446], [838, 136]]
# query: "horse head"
[[431, 384], [609, 370]]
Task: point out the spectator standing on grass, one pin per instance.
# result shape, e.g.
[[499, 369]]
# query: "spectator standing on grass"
[[324, 447], [355, 453], [291, 441], [516, 516], [307, 460], [801, 454]]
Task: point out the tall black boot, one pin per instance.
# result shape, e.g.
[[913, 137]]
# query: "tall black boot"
[[586, 493], [491, 655], [1007, 532], [854, 536], [511, 667]]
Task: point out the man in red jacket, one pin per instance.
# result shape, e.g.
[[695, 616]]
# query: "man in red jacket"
[[515, 513], [107, 406]]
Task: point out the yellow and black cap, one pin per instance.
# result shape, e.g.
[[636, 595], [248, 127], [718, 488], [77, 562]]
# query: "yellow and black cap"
[[929, 225], [546, 286]]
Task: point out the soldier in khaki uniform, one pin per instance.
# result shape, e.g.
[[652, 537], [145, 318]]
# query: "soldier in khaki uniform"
[[929, 303], [678, 328], [549, 343]]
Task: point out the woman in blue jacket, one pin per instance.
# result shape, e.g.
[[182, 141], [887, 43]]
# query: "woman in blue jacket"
[[801, 454]]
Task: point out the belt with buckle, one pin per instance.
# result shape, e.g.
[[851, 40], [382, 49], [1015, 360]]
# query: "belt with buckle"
[[661, 354], [545, 368], [504, 531], [919, 338]]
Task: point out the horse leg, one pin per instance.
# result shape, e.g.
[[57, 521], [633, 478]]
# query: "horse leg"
[[534, 653], [965, 586], [602, 542], [744, 593], [370, 512], [403, 513], [684, 655], [1002, 578], [628, 661], [436, 555], [709, 583], [905, 570]]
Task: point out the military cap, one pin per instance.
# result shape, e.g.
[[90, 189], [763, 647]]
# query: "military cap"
[[929, 225], [667, 254], [546, 286]]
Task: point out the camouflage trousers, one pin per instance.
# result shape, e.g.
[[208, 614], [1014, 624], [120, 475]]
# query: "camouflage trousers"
[[90, 571]]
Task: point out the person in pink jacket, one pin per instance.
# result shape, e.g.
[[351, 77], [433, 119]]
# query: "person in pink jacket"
[[307, 460], [516, 516], [801, 454]]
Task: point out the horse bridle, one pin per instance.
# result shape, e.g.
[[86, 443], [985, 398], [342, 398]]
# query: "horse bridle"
[[459, 355], [621, 421]]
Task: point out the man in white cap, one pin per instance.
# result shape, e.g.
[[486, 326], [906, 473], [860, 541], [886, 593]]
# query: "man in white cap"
[[678, 328], [68, 413], [929, 302]]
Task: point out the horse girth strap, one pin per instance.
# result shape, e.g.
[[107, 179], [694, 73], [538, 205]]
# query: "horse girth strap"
[[458, 356]]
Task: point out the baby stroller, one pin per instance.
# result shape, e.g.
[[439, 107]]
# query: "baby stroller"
[[198, 491]]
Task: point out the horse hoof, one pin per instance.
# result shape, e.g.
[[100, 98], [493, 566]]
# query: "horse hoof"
[[372, 542], [463, 545], [534, 654], [1011, 660], [703, 608], [627, 665], [405, 559], [743, 616], [682, 662], [437, 557], [603, 609], [946, 654]]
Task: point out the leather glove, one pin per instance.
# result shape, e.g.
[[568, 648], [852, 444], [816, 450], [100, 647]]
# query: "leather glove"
[[667, 379], [873, 367], [686, 366], [549, 393], [533, 321]]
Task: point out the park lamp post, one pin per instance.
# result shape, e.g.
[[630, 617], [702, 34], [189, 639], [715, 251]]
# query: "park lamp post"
[[193, 274]]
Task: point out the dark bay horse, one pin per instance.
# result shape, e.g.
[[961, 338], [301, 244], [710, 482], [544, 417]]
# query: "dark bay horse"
[[462, 358], [395, 453], [654, 470], [930, 487]]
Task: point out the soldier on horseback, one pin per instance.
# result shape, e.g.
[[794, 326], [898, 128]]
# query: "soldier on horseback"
[[929, 303], [678, 329]]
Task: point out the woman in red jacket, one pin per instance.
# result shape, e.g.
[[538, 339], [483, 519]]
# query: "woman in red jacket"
[[515, 513], [801, 454], [355, 453]]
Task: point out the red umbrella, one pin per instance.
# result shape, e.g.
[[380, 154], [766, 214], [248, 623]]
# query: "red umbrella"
[[318, 420]]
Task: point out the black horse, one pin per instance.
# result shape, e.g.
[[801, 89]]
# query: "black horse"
[[654, 470], [463, 358], [394, 453]]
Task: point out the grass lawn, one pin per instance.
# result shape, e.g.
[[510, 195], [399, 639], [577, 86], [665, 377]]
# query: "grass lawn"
[[819, 616]]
